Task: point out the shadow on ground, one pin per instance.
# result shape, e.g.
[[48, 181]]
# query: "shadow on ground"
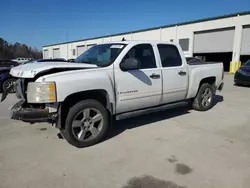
[[150, 182], [218, 99], [144, 120]]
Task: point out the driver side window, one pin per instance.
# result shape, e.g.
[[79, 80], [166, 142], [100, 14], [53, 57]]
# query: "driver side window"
[[144, 54]]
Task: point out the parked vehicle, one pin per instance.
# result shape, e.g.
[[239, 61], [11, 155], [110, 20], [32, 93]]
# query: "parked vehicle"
[[6, 80], [112, 81], [21, 59], [242, 76], [7, 63]]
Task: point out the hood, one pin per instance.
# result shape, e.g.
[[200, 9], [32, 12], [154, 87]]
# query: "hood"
[[245, 68], [30, 70]]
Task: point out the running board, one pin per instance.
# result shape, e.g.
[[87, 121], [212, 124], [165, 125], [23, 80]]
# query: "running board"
[[150, 110]]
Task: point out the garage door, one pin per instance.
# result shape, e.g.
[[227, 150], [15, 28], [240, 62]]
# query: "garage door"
[[245, 42], [212, 41], [81, 49], [45, 54], [56, 53]]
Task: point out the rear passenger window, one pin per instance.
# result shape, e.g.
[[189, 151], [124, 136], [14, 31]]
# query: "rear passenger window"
[[170, 56], [144, 54]]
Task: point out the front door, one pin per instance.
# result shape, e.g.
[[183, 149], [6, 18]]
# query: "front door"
[[174, 74], [138, 89]]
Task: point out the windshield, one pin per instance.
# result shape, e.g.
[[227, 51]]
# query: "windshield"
[[101, 55], [247, 63]]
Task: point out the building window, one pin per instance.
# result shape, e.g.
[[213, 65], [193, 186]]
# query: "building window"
[[184, 43], [74, 52]]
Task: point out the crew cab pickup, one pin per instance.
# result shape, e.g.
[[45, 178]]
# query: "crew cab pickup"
[[112, 81]]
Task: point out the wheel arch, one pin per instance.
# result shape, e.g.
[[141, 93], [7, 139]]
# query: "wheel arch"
[[195, 85], [100, 95]]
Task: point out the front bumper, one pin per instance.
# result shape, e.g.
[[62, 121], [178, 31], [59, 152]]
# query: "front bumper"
[[242, 82], [31, 115], [242, 79]]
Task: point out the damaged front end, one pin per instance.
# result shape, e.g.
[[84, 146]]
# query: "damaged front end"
[[31, 113]]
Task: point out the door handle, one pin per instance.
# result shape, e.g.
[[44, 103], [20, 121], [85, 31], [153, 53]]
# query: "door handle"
[[182, 73], [154, 76]]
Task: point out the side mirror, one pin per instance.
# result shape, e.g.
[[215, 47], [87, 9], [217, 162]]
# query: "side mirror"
[[130, 64]]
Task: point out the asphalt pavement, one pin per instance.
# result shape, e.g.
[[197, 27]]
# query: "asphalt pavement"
[[171, 149]]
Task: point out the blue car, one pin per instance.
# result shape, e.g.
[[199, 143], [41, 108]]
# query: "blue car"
[[6, 80], [242, 76]]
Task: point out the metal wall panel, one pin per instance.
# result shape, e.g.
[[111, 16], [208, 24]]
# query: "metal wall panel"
[[220, 40], [81, 49], [56, 53], [245, 42]]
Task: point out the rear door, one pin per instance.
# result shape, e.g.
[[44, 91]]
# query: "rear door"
[[174, 73], [141, 88]]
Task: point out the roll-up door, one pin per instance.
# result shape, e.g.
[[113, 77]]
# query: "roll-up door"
[[81, 49], [213, 41], [245, 42], [45, 54], [56, 53]]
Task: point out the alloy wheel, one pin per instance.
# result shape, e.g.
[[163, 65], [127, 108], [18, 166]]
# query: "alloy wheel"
[[87, 124], [206, 97]]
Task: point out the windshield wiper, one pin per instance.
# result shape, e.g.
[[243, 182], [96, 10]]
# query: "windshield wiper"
[[87, 62]]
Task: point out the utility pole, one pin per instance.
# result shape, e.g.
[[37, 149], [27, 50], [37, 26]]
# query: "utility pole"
[[67, 45]]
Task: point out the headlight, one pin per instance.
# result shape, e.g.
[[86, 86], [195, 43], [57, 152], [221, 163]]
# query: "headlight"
[[41, 92], [241, 72]]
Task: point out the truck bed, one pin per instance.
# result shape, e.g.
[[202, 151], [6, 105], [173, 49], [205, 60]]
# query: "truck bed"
[[201, 63]]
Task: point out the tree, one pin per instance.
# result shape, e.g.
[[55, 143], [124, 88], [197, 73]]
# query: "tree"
[[10, 51]]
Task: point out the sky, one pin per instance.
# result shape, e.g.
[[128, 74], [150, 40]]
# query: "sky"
[[43, 22]]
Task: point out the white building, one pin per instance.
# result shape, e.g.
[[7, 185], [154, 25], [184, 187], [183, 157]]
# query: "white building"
[[224, 38]]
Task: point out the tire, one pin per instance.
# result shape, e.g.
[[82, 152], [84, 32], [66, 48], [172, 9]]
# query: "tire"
[[7, 83], [81, 131], [199, 102]]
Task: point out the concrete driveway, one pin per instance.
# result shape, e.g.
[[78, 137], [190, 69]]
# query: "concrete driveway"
[[171, 149]]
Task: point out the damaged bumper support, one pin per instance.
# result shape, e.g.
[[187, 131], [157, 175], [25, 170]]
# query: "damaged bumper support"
[[32, 115], [221, 86]]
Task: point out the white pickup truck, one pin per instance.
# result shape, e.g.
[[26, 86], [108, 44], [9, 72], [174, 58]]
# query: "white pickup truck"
[[112, 81]]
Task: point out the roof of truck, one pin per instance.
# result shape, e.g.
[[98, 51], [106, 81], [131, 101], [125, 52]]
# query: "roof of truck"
[[139, 42]]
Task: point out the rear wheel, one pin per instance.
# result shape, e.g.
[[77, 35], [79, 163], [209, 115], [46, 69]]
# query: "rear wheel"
[[9, 83], [204, 98], [86, 124]]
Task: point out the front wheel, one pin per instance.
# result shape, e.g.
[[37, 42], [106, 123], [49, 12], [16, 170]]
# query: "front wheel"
[[9, 83], [204, 99], [86, 124]]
